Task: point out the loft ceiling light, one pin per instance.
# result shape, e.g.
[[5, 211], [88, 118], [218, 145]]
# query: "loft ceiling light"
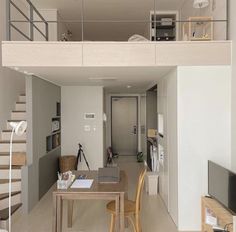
[[200, 4]]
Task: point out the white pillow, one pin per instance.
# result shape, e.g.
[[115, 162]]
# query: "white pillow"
[[135, 38]]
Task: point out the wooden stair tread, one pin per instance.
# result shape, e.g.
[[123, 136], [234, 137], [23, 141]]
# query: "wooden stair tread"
[[14, 120], [6, 167], [20, 102], [18, 111], [6, 195], [8, 131], [14, 141], [6, 181], [14, 153], [4, 213]]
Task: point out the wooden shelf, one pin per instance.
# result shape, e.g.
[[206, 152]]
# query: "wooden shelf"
[[165, 27]]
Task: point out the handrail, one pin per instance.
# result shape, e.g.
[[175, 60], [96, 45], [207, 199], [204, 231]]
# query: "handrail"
[[32, 10]]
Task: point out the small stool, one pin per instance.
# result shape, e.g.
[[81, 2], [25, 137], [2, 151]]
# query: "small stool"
[[151, 183], [67, 163]]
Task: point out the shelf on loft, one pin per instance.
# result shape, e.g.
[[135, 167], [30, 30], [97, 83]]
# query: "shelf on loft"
[[165, 26]]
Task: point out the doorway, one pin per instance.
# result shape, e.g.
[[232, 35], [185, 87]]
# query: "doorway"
[[124, 125]]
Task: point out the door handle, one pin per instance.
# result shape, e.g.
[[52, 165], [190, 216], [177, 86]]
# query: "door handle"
[[135, 130]]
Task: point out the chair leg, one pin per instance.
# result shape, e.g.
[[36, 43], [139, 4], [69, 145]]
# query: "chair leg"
[[138, 223], [132, 223], [112, 225]]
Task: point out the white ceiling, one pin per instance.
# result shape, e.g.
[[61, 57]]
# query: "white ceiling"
[[116, 79]]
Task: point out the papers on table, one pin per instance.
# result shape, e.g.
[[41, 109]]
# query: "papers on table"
[[87, 183]]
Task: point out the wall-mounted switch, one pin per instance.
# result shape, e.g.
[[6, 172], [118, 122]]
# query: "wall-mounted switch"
[[87, 128]]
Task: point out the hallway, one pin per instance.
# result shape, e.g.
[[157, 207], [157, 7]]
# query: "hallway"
[[91, 216]]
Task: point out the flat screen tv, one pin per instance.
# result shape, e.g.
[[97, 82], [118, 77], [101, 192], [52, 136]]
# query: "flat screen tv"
[[222, 185]]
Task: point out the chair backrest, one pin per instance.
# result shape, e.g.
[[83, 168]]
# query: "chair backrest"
[[140, 190]]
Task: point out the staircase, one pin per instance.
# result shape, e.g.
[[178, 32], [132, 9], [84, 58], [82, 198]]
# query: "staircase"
[[18, 160]]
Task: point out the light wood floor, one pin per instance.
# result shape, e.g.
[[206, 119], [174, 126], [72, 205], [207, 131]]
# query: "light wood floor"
[[91, 216]]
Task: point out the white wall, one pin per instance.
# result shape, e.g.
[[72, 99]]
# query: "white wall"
[[42, 97], [12, 83], [232, 35], [204, 133], [76, 101]]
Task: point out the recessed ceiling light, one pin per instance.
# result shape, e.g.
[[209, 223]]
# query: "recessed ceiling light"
[[102, 78], [129, 86]]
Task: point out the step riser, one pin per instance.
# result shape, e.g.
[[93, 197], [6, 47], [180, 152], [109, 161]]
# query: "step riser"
[[4, 225], [18, 116], [4, 160], [4, 174], [5, 147], [8, 124], [22, 98], [16, 187], [14, 201], [7, 136], [20, 107]]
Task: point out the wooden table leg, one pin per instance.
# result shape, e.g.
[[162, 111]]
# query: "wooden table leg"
[[117, 214], [122, 212], [54, 214], [70, 213], [59, 214], [126, 219]]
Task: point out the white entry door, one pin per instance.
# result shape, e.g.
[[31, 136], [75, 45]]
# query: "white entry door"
[[125, 125]]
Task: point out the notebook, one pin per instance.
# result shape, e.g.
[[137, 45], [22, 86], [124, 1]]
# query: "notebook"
[[82, 183], [109, 175]]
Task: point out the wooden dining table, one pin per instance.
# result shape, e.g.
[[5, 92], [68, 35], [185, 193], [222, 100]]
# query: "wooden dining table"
[[98, 191]]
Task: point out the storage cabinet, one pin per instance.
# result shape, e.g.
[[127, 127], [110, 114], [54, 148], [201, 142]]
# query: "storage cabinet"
[[212, 210], [163, 26]]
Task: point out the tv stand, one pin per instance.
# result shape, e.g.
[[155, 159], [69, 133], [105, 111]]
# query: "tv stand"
[[211, 207]]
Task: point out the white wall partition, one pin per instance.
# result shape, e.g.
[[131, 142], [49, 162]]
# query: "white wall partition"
[[204, 133], [167, 109], [196, 105], [76, 101]]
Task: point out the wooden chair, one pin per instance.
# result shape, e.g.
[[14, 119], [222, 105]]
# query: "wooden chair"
[[131, 208]]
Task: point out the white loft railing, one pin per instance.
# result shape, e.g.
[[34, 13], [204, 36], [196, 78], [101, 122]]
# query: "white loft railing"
[[11, 23]]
